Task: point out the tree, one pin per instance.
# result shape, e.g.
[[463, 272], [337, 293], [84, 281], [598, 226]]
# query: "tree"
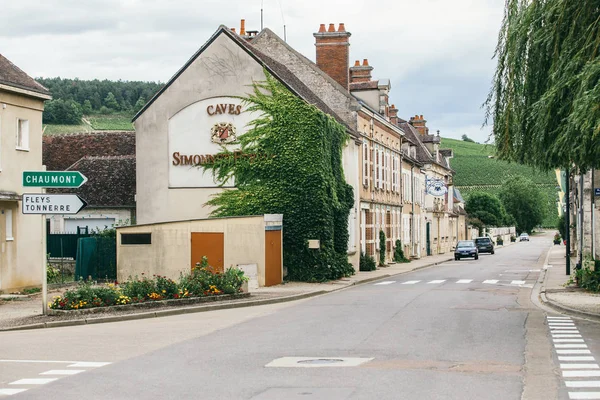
[[139, 104], [467, 139], [546, 90], [382, 249], [111, 102], [62, 112], [523, 201], [485, 207], [87, 107]]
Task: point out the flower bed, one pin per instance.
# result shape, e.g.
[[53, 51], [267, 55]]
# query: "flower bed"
[[201, 282]]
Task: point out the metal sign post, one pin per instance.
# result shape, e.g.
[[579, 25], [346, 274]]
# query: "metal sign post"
[[43, 204]]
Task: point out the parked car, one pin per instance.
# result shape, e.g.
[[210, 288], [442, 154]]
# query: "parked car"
[[524, 237], [485, 245], [466, 248]]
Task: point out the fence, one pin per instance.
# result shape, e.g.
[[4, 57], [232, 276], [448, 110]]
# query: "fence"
[[96, 258], [64, 245]]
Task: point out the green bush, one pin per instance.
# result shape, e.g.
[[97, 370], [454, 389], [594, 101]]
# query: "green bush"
[[367, 263], [399, 253], [588, 279]]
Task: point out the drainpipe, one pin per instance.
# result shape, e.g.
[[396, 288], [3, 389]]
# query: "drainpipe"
[[567, 222], [593, 201], [581, 200], [412, 213]]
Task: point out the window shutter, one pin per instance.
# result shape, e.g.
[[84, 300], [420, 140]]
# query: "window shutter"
[[365, 164], [381, 162]]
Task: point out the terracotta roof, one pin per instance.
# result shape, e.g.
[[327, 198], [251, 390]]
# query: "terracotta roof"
[[364, 85], [11, 75], [111, 181]]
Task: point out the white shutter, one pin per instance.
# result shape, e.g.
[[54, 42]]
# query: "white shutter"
[[365, 164], [387, 170], [381, 181]]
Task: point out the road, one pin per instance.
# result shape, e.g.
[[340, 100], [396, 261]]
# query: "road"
[[461, 330]]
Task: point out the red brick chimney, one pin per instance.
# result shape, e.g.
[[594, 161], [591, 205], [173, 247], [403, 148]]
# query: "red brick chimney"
[[420, 124], [360, 73], [393, 114], [333, 52]]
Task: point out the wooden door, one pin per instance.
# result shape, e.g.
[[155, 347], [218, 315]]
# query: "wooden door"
[[208, 244], [273, 266]]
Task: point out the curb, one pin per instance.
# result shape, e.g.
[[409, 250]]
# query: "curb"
[[204, 308], [563, 309]]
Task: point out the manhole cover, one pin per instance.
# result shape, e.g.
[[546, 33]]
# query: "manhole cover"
[[321, 361]]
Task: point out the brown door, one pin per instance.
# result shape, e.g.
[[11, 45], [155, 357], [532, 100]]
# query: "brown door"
[[208, 244], [273, 258]]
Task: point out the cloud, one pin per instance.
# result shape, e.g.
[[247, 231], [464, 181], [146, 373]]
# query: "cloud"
[[437, 53]]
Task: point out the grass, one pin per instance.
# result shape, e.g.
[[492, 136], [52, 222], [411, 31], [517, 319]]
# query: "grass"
[[113, 122], [62, 129], [477, 170], [32, 290]]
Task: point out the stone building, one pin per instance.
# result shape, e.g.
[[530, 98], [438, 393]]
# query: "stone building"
[[22, 250]]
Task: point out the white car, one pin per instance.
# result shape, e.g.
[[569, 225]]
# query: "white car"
[[524, 237]]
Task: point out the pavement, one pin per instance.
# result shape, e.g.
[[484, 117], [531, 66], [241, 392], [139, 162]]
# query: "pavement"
[[565, 297], [26, 313]]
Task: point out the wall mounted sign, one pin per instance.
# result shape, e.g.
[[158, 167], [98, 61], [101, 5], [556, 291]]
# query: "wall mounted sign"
[[200, 131], [435, 186], [597, 191]]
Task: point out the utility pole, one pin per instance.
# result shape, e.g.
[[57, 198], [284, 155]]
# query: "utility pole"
[[567, 218]]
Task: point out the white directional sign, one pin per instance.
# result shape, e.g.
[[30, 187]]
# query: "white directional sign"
[[39, 203]]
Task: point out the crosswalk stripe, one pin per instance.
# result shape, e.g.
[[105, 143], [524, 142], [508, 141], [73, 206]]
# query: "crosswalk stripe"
[[565, 336], [517, 283], [560, 318], [579, 366], [9, 392], [63, 372], [385, 283], [564, 331], [410, 282], [576, 358], [584, 395], [570, 346], [88, 364], [580, 374], [464, 281], [568, 340], [491, 281], [573, 351], [582, 384], [437, 281], [35, 381]]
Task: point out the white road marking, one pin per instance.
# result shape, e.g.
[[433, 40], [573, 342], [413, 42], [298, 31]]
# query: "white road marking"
[[573, 352], [582, 384], [579, 366], [410, 282], [87, 364], [385, 283], [566, 328], [517, 283], [564, 336], [580, 374], [562, 322], [568, 340], [570, 346], [576, 358], [558, 317], [584, 395], [491, 281], [464, 281], [437, 281], [39, 361], [63, 372], [564, 331], [9, 392], [35, 381]]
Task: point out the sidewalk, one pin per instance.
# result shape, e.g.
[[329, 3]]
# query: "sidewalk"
[[562, 297], [27, 313]]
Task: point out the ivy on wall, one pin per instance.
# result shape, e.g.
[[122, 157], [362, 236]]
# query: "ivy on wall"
[[291, 163]]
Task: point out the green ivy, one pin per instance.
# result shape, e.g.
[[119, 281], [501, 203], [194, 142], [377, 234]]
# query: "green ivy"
[[296, 170], [381, 248], [399, 253]]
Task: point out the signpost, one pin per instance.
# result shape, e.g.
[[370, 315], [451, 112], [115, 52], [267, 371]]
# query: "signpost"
[[53, 179], [42, 204]]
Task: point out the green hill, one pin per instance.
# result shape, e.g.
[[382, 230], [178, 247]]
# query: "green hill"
[[478, 170]]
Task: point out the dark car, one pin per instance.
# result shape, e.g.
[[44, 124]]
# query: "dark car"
[[485, 245], [466, 248]]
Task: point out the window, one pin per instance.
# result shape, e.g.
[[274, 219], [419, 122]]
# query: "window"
[[8, 216], [22, 134], [136, 238]]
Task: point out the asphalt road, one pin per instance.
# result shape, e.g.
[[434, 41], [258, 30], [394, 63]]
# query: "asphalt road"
[[461, 330]]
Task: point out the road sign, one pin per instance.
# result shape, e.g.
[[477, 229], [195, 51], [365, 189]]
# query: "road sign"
[[597, 191], [53, 179], [40, 203]]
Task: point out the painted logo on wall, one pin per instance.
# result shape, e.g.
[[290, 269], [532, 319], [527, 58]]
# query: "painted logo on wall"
[[435, 186], [223, 133]]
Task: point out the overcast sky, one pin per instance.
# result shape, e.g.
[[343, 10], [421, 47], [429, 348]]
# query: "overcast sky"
[[437, 53]]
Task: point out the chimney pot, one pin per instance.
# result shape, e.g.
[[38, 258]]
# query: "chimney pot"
[[331, 28], [421, 116], [365, 63], [357, 63], [243, 27], [322, 28], [341, 28], [233, 30]]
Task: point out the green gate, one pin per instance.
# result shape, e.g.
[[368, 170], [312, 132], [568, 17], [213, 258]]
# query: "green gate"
[[96, 258]]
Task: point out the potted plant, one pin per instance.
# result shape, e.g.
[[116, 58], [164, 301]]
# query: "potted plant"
[[556, 238], [513, 238], [500, 241]]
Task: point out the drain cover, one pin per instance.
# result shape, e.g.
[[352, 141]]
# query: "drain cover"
[[321, 361]]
